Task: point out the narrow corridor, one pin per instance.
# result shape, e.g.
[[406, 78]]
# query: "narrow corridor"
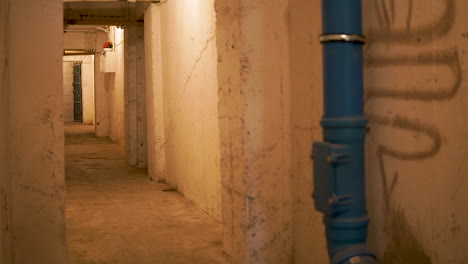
[[115, 214]]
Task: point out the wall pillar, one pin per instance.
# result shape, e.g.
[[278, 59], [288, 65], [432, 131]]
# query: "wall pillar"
[[254, 119], [101, 97], [134, 96], [87, 76], [31, 134], [156, 136]]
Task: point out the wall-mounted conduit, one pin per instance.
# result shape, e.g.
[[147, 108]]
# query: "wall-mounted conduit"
[[339, 161]]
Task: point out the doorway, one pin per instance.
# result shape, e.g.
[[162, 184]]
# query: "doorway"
[[77, 93]]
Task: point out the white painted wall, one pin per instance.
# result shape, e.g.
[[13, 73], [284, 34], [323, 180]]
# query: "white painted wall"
[[116, 91], [68, 91], [31, 95], [254, 114], [101, 92], [188, 110], [135, 97], [156, 135], [87, 75]]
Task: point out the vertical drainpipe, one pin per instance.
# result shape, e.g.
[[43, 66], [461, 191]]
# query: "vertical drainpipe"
[[339, 191]]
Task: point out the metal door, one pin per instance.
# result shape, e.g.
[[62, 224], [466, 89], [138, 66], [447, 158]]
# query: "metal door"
[[77, 93]]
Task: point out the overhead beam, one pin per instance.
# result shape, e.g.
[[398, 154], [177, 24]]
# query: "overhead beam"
[[117, 13], [104, 22]]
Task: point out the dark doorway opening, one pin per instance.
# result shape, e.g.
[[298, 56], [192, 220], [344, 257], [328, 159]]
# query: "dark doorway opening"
[[77, 93]]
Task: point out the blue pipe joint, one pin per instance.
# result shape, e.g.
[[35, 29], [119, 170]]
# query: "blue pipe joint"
[[339, 191]]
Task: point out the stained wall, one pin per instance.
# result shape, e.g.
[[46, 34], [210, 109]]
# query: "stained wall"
[[31, 135], [415, 100], [184, 98]]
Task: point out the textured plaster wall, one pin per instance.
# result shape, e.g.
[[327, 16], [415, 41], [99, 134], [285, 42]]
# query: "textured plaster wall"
[[417, 142], [189, 101], [86, 40], [270, 105], [102, 83], [74, 40], [135, 97], [4, 129], [115, 84], [415, 101], [33, 192], [306, 112], [87, 86], [68, 91], [87, 75], [255, 135], [156, 136]]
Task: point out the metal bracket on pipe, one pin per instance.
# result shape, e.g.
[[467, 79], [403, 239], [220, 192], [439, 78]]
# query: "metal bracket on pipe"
[[342, 38]]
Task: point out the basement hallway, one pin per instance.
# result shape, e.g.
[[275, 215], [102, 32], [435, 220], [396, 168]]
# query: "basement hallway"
[[115, 214]]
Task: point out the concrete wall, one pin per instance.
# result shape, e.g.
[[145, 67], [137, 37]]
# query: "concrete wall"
[[87, 76], [101, 91], [102, 98], [33, 191], [156, 137], [68, 98], [5, 238], [135, 97], [74, 40], [189, 93], [254, 113], [109, 89], [416, 162], [306, 112], [416, 102], [87, 82], [102, 81], [116, 84]]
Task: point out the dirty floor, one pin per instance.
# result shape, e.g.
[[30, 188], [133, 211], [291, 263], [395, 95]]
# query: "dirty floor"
[[116, 215]]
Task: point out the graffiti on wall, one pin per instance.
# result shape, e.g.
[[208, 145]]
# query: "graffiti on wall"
[[398, 29], [421, 36]]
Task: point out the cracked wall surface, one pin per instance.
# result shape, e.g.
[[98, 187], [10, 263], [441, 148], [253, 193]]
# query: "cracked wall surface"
[[415, 99], [134, 96], [190, 140], [415, 95], [156, 137], [31, 135], [254, 112]]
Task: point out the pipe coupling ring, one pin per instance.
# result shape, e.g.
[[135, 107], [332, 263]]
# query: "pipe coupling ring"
[[342, 38]]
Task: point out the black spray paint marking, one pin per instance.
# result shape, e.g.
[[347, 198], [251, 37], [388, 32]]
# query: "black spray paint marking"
[[425, 33], [447, 58]]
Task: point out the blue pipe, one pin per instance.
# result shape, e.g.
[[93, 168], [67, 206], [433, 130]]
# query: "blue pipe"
[[339, 191]]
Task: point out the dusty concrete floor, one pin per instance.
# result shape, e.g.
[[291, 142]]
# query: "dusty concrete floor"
[[116, 215]]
